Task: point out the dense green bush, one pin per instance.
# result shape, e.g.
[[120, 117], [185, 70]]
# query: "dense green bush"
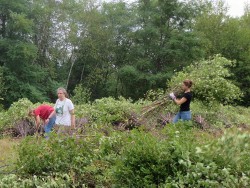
[[222, 163], [211, 83], [148, 160], [16, 114], [109, 110], [181, 161], [58, 154], [84, 159], [176, 156], [81, 95], [220, 116]]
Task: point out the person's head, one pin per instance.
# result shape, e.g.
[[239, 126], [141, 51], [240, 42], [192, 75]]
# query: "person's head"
[[187, 84], [62, 93], [31, 112]]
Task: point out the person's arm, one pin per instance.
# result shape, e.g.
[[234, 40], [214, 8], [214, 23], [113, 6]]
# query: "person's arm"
[[50, 116], [38, 120], [180, 101], [73, 122]]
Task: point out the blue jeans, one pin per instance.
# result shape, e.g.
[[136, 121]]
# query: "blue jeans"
[[182, 115], [49, 126]]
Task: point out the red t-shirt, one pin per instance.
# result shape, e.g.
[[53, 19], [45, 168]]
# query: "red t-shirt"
[[43, 111]]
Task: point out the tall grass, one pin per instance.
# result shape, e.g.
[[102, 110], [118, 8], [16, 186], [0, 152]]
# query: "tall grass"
[[8, 155]]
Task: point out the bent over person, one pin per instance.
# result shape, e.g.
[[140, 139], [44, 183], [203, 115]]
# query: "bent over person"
[[44, 112], [184, 102]]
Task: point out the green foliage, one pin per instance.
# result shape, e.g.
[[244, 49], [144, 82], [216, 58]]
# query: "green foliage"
[[181, 161], [227, 36], [115, 48], [177, 156], [20, 24], [56, 155], [81, 95], [219, 115], [78, 161], [108, 111], [210, 79], [153, 95], [55, 181], [16, 113], [149, 160], [140, 52], [223, 163], [132, 80], [2, 89], [145, 161], [23, 76]]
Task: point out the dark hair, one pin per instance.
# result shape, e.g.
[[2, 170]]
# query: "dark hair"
[[188, 83]]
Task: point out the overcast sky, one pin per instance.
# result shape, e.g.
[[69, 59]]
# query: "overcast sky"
[[236, 7]]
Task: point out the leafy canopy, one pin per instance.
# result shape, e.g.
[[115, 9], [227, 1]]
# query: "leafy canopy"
[[210, 80]]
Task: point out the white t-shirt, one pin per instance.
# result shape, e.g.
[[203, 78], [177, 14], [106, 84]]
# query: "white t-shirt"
[[62, 109]]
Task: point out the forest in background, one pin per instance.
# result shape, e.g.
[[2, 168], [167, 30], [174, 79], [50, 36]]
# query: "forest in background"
[[118, 60], [113, 48]]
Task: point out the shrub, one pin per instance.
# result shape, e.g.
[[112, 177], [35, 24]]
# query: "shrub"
[[219, 115], [146, 161], [178, 156], [78, 158], [56, 181], [16, 118], [210, 80], [81, 95], [58, 154], [222, 163], [109, 111], [182, 161]]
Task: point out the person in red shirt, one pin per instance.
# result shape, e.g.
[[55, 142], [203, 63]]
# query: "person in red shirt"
[[43, 112]]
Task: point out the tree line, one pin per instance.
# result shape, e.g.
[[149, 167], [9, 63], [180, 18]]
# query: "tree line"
[[113, 48]]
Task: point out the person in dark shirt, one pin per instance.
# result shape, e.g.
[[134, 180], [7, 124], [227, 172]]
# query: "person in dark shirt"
[[184, 102]]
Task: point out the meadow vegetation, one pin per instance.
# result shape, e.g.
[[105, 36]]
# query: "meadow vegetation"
[[125, 143]]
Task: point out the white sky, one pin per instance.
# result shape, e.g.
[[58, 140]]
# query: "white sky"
[[236, 7]]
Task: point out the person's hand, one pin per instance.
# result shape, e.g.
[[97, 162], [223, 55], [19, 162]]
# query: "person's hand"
[[172, 96], [46, 121], [72, 131]]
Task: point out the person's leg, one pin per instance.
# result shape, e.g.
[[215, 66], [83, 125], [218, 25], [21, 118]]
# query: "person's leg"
[[49, 126], [186, 116], [177, 117]]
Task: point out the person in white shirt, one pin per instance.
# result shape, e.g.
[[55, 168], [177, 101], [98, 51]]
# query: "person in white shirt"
[[64, 110]]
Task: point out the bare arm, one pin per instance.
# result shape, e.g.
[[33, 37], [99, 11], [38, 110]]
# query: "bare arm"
[[52, 114], [73, 122], [38, 120], [180, 101]]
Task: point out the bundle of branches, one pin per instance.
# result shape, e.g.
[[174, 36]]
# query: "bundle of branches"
[[156, 105], [162, 102]]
